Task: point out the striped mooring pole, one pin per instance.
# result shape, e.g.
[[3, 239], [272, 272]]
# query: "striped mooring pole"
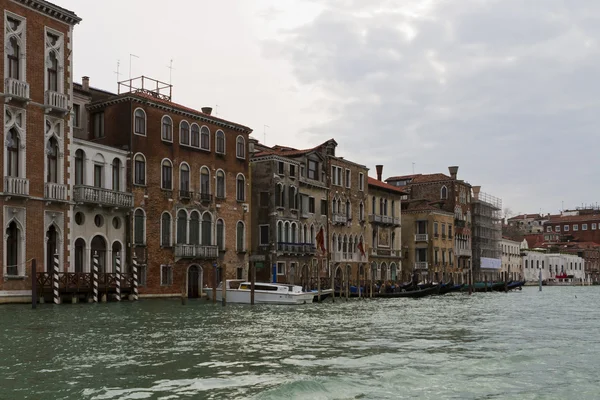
[[95, 277], [118, 272], [55, 279], [135, 278]]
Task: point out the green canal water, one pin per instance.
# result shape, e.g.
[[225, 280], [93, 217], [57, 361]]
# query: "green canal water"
[[522, 345]]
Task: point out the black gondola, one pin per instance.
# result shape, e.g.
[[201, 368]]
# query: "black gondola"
[[412, 293]]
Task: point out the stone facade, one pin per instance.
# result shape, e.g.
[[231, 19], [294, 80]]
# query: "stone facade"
[[551, 265], [512, 262], [37, 65], [189, 175]]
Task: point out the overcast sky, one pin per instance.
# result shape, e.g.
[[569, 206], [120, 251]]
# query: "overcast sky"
[[509, 90]]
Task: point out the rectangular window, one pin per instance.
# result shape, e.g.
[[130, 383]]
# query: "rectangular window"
[[313, 172], [549, 229], [302, 171], [166, 176], [435, 229], [443, 230], [98, 176], [143, 273], [292, 171], [347, 178], [281, 168], [311, 205], [52, 71], [166, 275], [361, 181], [443, 256], [280, 268], [76, 115], [336, 175], [557, 228], [450, 231], [576, 227], [584, 227], [264, 234], [98, 129], [566, 228], [323, 207], [140, 171], [594, 226]]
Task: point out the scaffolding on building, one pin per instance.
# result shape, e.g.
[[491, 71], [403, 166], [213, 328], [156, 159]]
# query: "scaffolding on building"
[[487, 229]]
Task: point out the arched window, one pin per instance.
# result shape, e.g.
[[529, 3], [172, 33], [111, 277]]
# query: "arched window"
[[240, 237], [348, 210], [184, 181], [205, 183], [79, 167], [52, 160], [79, 255], [444, 193], [206, 229], [51, 246], [334, 242], [195, 228], [220, 184], [240, 188], [240, 148], [99, 170], [165, 230], [116, 175], [139, 223], [140, 122], [14, 59], [13, 247], [181, 227], [167, 129], [286, 232], [312, 234], [184, 133], [292, 199], [204, 138], [52, 72], [167, 175], [294, 231], [220, 139], [13, 143], [195, 135], [139, 169], [98, 248], [220, 234], [279, 195]]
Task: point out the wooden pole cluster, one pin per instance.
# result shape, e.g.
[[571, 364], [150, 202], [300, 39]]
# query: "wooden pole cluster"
[[33, 284]]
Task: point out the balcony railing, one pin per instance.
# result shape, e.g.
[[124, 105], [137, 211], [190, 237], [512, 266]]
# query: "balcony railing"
[[421, 237], [386, 253], [16, 186], [55, 100], [101, 196], [339, 218], [296, 248], [196, 251], [384, 219], [463, 252], [346, 257], [422, 265], [55, 191], [205, 197], [185, 194], [16, 88]]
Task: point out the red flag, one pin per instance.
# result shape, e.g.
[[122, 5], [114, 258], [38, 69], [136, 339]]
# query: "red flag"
[[361, 247], [321, 240]]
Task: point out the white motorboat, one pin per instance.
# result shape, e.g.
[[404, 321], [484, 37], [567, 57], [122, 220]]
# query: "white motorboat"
[[238, 291]]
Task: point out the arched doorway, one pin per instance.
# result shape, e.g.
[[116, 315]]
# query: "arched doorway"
[[393, 273], [99, 247], [50, 248], [194, 281], [116, 251], [339, 278], [79, 255], [384, 274]]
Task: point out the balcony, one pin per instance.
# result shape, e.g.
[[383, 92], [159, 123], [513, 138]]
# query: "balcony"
[[16, 186], [346, 257], [55, 192], [191, 251], [17, 89], [141, 253], [339, 219], [296, 248], [205, 197], [421, 237], [463, 252], [384, 219], [386, 253], [102, 197], [421, 265], [55, 101], [185, 194]]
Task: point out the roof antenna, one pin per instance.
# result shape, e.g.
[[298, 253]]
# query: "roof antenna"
[[117, 71], [171, 71], [413, 168], [265, 133]]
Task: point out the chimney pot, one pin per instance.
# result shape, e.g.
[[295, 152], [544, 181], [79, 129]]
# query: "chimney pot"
[[207, 110], [85, 83], [453, 172], [379, 171]]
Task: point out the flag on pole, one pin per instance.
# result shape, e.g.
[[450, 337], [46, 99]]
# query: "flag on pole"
[[321, 240], [361, 247]]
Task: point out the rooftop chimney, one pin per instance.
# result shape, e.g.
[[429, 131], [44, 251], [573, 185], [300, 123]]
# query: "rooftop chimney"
[[85, 83], [453, 172], [476, 190], [207, 110], [379, 171]]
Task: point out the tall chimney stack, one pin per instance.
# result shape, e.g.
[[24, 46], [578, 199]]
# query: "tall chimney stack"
[[85, 83], [379, 171], [207, 110], [453, 172], [476, 190]]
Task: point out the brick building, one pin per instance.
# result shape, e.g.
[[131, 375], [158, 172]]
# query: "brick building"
[[37, 54], [449, 194], [188, 172], [577, 225], [385, 233], [527, 223]]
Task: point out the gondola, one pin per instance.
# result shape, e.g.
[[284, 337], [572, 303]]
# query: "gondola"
[[449, 288], [412, 293]]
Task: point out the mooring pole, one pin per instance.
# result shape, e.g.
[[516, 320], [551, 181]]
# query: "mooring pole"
[[134, 268], [318, 282], [252, 281], [55, 279], [95, 277], [540, 280], [118, 277], [223, 285], [332, 272], [34, 293], [470, 282], [214, 291]]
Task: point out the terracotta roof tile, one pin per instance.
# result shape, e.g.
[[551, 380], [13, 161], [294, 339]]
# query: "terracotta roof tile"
[[401, 177], [559, 219], [431, 178], [526, 216], [383, 185]]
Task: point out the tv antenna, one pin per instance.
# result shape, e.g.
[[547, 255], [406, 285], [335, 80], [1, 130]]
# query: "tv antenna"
[[265, 133], [171, 71], [117, 71]]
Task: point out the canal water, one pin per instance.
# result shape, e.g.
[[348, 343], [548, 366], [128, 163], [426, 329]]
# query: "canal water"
[[522, 345]]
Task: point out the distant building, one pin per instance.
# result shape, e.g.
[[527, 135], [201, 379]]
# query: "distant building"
[[553, 266], [527, 223], [487, 235], [512, 262], [577, 225]]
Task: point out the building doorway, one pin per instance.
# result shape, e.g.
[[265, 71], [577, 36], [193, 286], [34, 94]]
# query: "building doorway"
[[194, 279]]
